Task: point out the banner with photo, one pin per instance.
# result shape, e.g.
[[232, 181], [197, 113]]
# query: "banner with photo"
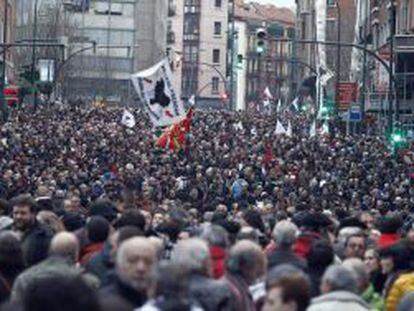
[[156, 91]]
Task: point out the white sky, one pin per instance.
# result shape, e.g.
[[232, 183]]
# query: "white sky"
[[286, 3]]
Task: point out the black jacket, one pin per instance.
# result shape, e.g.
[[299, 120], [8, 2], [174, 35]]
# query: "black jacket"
[[279, 257], [125, 294], [35, 244]]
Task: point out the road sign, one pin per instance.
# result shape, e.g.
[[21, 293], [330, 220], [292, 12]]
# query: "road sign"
[[355, 114], [347, 94]]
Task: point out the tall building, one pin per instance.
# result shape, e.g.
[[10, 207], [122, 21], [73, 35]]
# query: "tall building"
[[374, 26], [197, 47], [106, 41], [8, 21], [272, 68]]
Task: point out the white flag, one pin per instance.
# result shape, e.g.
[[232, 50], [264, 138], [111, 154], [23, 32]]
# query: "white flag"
[[156, 91], [128, 119], [312, 131], [266, 102], [295, 103], [191, 100], [325, 129], [279, 105], [289, 131], [280, 128], [267, 93], [238, 126]]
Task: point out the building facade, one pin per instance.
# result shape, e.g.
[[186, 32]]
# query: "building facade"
[[106, 41], [197, 46], [272, 69], [8, 20]]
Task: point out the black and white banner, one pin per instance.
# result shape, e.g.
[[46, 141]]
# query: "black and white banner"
[[156, 91]]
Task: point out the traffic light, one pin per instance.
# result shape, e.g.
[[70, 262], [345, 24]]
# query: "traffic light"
[[260, 41]]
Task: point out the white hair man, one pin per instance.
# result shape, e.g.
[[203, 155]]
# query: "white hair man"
[[339, 290], [135, 263], [284, 235], [193, 255]]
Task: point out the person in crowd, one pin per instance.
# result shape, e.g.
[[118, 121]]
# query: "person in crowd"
[[218, 241], [245, 265], [355, 246], [372, 261], [287, 289], [97, 230], [284, 236], [135, 262], [11, 263], [35, 239], [339, 290], [193, 255], [365, 288]]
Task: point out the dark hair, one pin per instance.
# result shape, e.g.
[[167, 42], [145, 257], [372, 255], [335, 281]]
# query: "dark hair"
[[24, 200], [11, 255], [294, 284], [131, 218], [254, 220], [128, 232], [321, 254], [98, 229], [105, 208], [4, 207], [63, 293]]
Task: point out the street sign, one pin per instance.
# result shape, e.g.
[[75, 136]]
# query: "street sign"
[[355, 114], [347, 94]]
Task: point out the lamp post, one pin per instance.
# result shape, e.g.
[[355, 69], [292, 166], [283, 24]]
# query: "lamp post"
[[338, 59], [391, 72], [33, 69]]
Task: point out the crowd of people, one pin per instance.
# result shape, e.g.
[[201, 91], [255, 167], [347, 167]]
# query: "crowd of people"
[[93, 216]]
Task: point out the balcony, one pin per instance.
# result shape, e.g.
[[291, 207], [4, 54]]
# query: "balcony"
[[170, 37]]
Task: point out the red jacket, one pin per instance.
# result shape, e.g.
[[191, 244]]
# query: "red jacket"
[[387, 239], [88, 251], [218, 256]]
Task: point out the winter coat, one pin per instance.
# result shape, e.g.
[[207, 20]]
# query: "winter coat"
[[124, 294], [372, 298], [35, 244], [401, 286], [280, 256], [338, 301], [210, 294], [243, 300], [89, 251], [101, 265]]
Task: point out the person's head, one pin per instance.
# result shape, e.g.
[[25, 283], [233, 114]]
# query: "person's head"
[[406, 303], [216, 236], [337, 278], [24, 211], [121, 235], [97, 229], [51, 221], [321, 254], [135, 261], [193, 255], [104, 208], [287, 289], [284, 234], [63, 293], [131, 217], [65, 245], [11, 254], [360, 269], [248, 233], [355, 246], [247, 260], [371, 260], [172, 285]]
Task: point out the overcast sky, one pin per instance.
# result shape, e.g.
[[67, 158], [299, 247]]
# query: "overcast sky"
[[287, 3]]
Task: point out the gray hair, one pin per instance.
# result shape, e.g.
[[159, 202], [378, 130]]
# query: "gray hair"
[[285, 233], [244, 254], [192, 254], [360, 269], [215, 236], [338, 277]]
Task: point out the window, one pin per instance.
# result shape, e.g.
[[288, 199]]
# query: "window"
[[217, 3], [216, 56], [190, 53], [331, 2], [217, 28], [215, 85]]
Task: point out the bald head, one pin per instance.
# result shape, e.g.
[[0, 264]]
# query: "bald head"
[[248, 260], [135, 262], [65, 245]]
